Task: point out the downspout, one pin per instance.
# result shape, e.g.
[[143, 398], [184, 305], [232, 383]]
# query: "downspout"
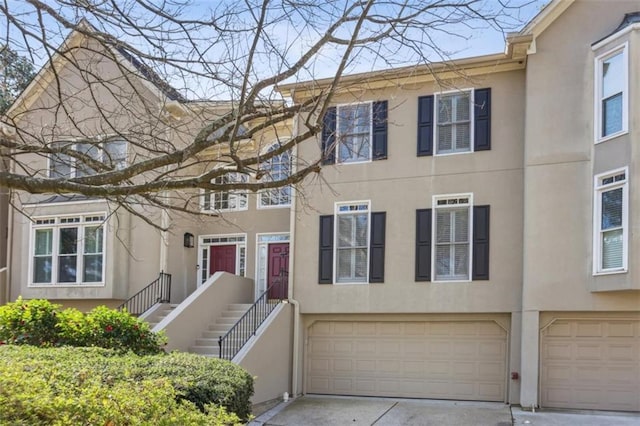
[[10, 234], [296, 305]]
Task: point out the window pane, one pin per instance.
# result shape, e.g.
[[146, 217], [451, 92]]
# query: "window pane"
[[277, 168], [463, 136], [345, 231], [443, 226], [452, 244], [612, 76], [461, 253], [60, 164], [82, 167], [612, 115], [461, 229], [354, 128], [454, 125], [115, 154], [345, 265], [67, 268], [68, 241], [463, 107], [445, 138], [361, 264], [44, 241], [92, 268], [42, 269], [354, 148], [443, 261], [93, 239], [611, 209], [445, 109], [612, 249]]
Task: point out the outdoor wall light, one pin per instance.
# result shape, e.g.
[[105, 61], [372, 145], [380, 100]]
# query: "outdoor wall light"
[[188, 239]]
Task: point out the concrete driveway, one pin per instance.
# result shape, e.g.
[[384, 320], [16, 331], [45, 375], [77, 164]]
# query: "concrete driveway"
[[313, 410]]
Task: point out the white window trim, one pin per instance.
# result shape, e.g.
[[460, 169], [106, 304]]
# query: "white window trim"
[[335, 240], [597, 117], [72, 166], [472, 121], [284, 237], [260, 206], [54, 255], [597, 221], [212, 194], [337, 143], [434, 201], [202, 245]]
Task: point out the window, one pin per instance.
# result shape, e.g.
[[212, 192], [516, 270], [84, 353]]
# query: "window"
[[359, 131], [611, 94], [68, 250], [277, 168], [453, 122], [611, 210], [112, 154], [226, 200], [452, 237], [354, 133], [356, 245], [352, 242]]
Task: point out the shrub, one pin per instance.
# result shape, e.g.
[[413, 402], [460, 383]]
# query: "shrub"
[[204, 380], [41, 323], [98, 386], [29, 323]]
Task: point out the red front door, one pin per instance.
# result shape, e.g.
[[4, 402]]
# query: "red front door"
[[222, 258], [278, 270]]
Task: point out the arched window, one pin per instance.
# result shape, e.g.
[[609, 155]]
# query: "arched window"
[[276, 168]]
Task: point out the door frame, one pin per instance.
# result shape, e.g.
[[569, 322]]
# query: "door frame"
[[262, 252], [204, 252]]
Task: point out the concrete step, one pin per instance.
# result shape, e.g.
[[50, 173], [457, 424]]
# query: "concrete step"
[[244, 307]]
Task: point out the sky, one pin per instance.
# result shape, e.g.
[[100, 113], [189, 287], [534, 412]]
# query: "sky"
[[465, 39]]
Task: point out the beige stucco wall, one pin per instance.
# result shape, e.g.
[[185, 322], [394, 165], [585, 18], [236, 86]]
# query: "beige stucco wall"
[[403, 183], [268, 358], [561, 160], [560, 154], [131, 254]]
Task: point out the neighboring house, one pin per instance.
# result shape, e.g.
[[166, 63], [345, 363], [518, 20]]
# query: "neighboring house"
[[82, 251], [471, 237], [480, 244]]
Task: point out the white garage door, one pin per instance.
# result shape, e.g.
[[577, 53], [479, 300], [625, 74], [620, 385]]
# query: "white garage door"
[[591, 364], [448, 360]]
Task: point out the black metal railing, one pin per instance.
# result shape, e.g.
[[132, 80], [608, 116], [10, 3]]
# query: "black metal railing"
[[159, 291], [231, 343]]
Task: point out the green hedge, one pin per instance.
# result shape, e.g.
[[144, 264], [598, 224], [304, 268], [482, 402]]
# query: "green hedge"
[[97, 386], [41, 323]]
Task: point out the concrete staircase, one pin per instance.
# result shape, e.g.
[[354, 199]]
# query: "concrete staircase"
[[160, 314], [207, 343]]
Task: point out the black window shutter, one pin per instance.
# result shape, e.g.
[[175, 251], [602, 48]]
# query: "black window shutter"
[[325, 270], [481, 242], [482, 117], [329, 136], [423, 245], [425, 125], [380, 115], [376, 255]]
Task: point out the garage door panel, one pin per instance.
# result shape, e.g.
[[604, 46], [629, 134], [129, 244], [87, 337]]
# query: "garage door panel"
[[595, 366], [455, 360]]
